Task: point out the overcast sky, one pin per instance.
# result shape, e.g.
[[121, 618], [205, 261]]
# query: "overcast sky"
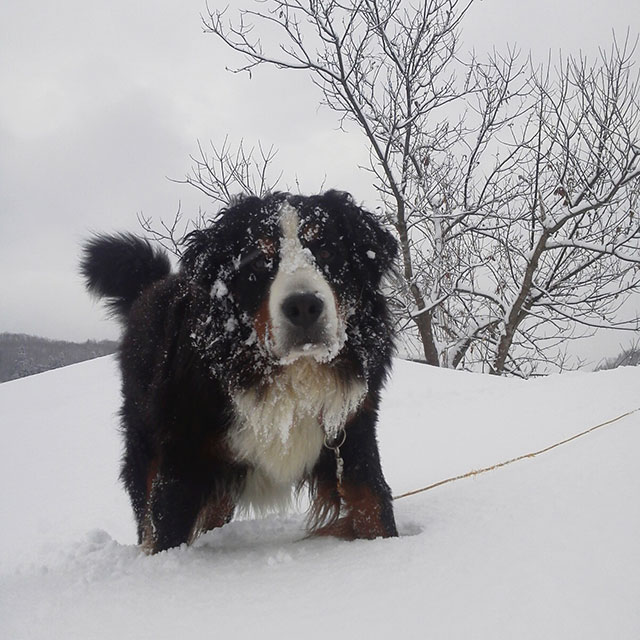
[[101, 103]]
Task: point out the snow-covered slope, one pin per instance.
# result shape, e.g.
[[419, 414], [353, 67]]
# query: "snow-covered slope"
[[546, 548]]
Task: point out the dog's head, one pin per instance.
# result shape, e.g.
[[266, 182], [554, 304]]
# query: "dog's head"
[[292, 270]]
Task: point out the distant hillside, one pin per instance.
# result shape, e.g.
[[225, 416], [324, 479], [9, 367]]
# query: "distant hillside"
[[22, 355], [629, 357]]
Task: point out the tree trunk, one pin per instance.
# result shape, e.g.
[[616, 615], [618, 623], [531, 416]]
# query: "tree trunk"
[[516, 314], [423, 320]]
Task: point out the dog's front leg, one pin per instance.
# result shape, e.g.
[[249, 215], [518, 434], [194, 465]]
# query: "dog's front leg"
[[361, 496], [366, 496], [173, 506]]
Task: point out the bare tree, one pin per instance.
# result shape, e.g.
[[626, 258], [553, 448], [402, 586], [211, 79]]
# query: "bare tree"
[[170, 234], [226, 172], [552, 218], [513, 189], [223, 174]]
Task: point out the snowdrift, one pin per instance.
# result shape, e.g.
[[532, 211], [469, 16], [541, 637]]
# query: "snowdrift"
[[544, 548]]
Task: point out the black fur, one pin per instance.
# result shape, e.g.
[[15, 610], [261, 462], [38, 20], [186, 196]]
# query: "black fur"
[[189, 344]]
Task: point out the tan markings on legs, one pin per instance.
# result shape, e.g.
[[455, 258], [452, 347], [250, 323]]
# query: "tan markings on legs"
[[214, 514], [325, 507], [148, 541], [362, 515]]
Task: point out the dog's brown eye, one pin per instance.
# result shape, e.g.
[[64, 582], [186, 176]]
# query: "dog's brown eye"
[[324, 255], [261, 264]]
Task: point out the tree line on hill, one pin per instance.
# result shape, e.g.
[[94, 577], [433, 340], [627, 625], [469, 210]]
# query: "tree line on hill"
[[24, 355], [629, 357]]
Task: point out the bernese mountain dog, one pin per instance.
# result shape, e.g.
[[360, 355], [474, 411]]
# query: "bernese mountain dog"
[[254, 370]]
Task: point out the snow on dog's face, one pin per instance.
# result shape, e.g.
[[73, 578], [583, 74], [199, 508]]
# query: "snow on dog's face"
[[303, 314], [285, 276]]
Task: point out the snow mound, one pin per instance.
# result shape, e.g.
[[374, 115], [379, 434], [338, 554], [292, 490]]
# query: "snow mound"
[[544, 548]]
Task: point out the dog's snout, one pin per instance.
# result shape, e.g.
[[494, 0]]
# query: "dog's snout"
[[302, 309]]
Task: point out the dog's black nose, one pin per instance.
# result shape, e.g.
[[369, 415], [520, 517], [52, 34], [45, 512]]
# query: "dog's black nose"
[[302, 309]]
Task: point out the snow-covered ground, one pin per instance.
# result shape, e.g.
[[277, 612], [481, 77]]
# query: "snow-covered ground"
[[545, 548]]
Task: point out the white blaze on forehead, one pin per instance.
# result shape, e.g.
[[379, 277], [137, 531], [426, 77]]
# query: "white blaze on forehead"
[[289, 221], [293, 256], [298, 273]]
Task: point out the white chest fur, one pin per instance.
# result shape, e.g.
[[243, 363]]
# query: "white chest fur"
[[280, 429]]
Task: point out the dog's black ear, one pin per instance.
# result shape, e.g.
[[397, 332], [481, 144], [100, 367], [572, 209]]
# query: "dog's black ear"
[[385, 245], [198, 259], [378, 246]]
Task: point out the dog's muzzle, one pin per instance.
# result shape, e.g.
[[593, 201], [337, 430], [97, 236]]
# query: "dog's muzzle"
[[303, 311]]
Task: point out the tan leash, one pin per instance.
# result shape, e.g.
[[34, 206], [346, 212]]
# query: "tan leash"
[[476, 472]]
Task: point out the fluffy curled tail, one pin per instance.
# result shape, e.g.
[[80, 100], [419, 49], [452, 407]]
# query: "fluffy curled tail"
[[120, 267]]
